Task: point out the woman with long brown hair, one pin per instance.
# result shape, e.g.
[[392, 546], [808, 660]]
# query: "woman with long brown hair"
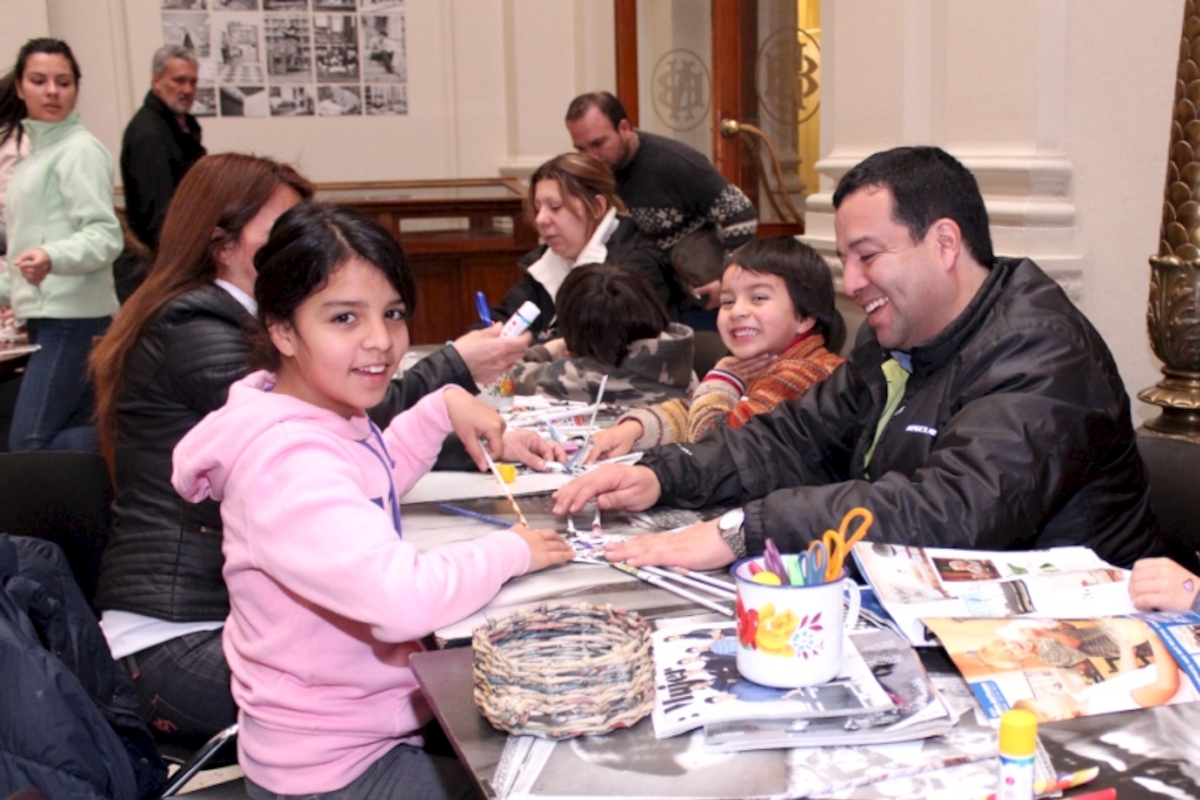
[[168, 360], [573, 204]]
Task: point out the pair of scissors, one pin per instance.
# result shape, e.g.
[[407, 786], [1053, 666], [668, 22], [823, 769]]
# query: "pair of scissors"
[[839, 543], [814, 563]]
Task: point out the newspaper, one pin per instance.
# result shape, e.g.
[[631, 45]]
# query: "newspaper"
[[1064, 668], [698, 683], [961, 764], [632, 763], [919, 710], [917, 582]]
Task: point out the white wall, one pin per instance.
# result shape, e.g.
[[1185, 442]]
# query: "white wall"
[[1062, 109], [489, 82], [22, 20]]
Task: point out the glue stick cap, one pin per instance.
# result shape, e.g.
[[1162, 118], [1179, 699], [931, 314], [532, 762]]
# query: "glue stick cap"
[[1018, 732]]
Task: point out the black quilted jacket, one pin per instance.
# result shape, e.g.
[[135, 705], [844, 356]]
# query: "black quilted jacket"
[[1014, 433], [164, 558]]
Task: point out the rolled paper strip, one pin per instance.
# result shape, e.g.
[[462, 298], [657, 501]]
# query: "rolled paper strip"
[[507, 472]]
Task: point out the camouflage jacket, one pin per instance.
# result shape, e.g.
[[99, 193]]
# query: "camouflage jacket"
[[655, 370]]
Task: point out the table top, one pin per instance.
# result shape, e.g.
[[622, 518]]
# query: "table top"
[[1153, 753], [428, 526], [1143, 754]]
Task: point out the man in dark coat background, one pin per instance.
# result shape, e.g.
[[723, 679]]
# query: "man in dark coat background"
[[161, 142]]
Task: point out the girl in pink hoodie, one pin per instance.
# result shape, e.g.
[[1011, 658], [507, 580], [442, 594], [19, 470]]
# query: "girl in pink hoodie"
[[327, 600]]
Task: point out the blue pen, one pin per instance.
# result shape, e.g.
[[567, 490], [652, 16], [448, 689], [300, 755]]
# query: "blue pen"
[[481, 305], [465, 512]]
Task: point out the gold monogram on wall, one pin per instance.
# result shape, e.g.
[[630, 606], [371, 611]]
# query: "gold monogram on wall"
[[682, 90], [788, 75]]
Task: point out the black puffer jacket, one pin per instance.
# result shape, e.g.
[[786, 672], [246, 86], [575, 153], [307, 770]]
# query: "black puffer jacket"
[[70, 722], [164, 558], [627, 247], [1014, 433]]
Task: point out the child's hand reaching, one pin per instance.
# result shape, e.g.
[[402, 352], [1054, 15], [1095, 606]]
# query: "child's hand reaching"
[[546, 547], [524, 445], [557, 348], [1162, 584], [472, 421], [746, 369], [615, 441]]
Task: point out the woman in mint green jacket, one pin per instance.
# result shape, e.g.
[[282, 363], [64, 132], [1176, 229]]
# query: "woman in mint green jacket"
[[63, 236]]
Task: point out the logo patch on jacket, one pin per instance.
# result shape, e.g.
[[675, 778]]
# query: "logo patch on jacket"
[[925, 429]]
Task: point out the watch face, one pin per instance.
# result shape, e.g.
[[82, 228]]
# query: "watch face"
[[731, 519]]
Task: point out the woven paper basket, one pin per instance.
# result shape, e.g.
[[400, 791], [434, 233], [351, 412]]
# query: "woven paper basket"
[[558, 671]]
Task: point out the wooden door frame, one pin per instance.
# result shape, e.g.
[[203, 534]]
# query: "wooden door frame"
[[734, 27]]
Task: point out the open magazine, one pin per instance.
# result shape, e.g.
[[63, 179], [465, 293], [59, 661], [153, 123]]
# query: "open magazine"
[[917, 582], [697, 683], [1061, 668], [919, 710]]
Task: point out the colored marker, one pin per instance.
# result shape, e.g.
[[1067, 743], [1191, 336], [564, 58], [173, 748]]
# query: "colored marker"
[[466, 512], [1067, 780], [481, 305], [1100, 794]]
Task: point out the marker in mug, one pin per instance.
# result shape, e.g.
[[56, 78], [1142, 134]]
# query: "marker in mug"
[[481, 305], [520, 321]]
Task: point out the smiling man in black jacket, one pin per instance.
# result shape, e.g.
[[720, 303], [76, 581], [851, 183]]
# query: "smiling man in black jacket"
[[985, 411]]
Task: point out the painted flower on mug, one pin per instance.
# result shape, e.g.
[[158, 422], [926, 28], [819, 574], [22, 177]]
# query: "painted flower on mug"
[[774, 631], [805, 641], [747, 624]]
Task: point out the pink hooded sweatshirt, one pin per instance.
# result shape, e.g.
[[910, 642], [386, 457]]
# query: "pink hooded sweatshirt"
[[326, 599]]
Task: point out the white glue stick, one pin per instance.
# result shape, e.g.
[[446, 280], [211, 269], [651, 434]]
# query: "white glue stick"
[[1018, 744], [519, 322]]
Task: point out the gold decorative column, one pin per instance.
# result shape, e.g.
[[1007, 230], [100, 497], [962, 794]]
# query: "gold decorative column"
[[1173, 315]]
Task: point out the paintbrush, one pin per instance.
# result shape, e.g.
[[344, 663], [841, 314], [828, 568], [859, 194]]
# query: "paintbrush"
[[503, 486]]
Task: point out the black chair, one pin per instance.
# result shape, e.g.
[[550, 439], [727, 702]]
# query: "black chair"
[[62, 497], [1173, 466], [66, 498]]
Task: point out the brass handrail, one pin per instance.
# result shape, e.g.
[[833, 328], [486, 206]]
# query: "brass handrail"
[[732, 127]]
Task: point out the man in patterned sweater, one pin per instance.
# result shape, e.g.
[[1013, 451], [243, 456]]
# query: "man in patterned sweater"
[[670, 189]]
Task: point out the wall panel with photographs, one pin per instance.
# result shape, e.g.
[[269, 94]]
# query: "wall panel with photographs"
[[293, 58]]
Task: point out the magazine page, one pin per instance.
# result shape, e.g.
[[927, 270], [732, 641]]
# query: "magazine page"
[[697, 682], [632, 763], [916, 582], [919, 711], [1064, 668]]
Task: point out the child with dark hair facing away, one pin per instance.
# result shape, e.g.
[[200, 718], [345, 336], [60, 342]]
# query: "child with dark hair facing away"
[[327, 599], [776, 310], [610, 322]]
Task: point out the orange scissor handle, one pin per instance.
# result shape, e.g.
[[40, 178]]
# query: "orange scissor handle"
[[839, 544]]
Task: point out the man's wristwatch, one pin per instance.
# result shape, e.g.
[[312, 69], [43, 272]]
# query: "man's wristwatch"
[[732, 528]]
